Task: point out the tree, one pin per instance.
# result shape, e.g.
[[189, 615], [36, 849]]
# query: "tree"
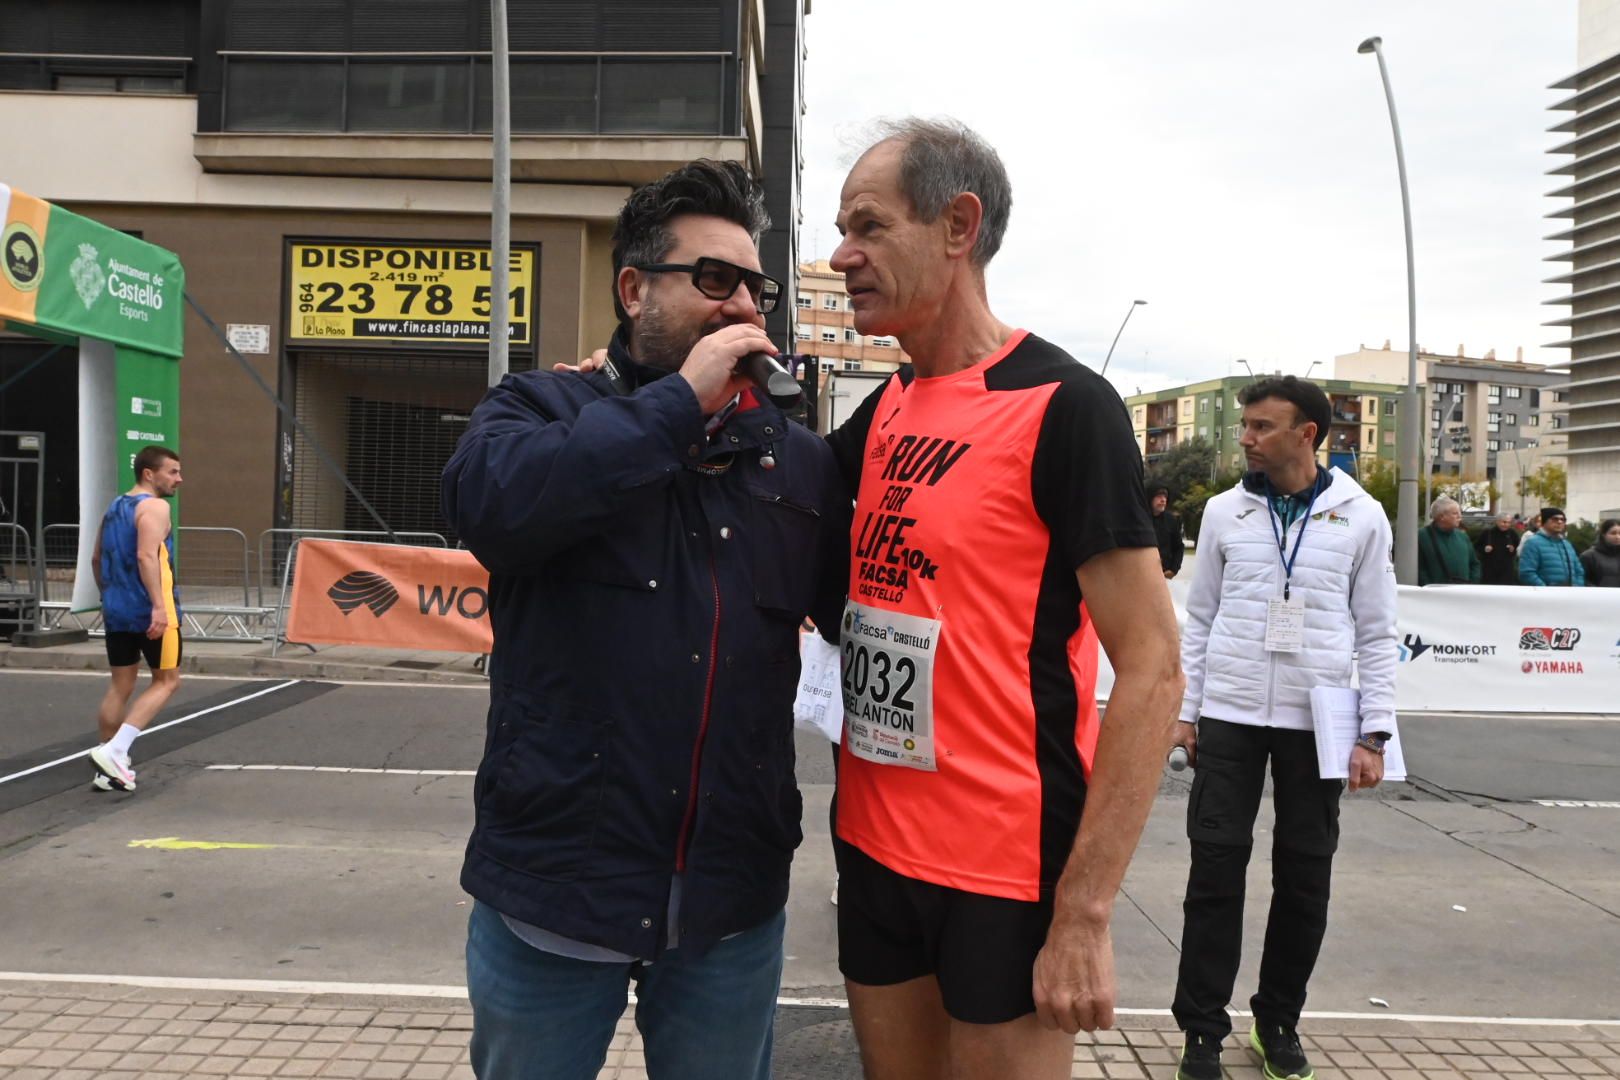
[[1381, 480], [1549, 484], [1186, 464]]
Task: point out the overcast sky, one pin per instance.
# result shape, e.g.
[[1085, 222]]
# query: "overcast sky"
[[1230, 163]]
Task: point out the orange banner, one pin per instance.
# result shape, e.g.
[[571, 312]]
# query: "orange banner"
[[390, 596]]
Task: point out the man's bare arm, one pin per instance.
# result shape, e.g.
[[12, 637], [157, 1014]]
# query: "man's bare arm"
[[151, 530], [1130, 606]]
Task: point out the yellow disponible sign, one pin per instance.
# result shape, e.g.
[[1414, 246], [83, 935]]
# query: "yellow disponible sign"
[[394, 292]]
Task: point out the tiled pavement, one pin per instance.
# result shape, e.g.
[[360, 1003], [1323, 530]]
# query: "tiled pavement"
[[117, 1033]]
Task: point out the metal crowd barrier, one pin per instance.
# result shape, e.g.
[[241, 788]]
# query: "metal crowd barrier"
[[19, 579], [229, 590]]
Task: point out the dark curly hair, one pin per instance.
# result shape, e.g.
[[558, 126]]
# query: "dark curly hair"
[[721, 189]]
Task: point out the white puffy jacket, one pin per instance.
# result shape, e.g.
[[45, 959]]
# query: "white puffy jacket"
[[1343, 574]]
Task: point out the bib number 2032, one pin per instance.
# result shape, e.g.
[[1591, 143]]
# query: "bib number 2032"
[[888, 686]]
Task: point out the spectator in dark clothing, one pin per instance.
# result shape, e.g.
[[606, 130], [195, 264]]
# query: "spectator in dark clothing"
[[1445, 556], [1167, 527], [1498, 548], [1602, 559]]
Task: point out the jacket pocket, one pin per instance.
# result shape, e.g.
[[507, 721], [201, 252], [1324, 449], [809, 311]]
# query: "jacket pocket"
[[787, 536], [630, 555], [544, 794]]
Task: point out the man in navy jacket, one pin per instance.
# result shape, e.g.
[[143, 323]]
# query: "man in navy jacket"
[[655, 532]]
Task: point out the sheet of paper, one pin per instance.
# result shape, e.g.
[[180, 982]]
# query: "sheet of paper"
[[819, 704], [1336, 714]]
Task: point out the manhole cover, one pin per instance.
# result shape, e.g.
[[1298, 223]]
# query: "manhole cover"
[[814, 1044]]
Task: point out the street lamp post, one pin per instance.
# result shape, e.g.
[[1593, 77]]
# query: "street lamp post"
[[1121, 330], [500, 201], [1406, 512], [1313, 367], [1246, 367]]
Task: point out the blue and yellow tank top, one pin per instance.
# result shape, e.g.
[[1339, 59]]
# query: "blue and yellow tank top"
[[125, 607]]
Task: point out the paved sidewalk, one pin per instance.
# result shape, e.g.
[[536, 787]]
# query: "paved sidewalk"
[[252, 660], [77, 1032]]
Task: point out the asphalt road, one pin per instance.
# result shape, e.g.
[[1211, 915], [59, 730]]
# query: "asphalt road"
[[304, 872]]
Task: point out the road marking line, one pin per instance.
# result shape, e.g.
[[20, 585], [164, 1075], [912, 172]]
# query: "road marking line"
[[342, 769], [175, 843], [1588, 804], [158, 727], [279, 986]]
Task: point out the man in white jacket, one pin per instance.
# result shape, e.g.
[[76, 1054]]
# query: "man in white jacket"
[[1292, 589]]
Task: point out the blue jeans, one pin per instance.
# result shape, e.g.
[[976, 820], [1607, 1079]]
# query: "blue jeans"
[[539, 1016]]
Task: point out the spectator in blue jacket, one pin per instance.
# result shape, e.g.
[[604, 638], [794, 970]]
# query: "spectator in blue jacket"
[[1547, 557], [655, 533]]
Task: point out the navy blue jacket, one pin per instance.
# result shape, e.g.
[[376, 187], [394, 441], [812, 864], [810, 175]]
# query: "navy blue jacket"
[[646, 610]]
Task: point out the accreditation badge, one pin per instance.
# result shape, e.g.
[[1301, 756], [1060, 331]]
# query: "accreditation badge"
[[1285, 625], [888, 683]]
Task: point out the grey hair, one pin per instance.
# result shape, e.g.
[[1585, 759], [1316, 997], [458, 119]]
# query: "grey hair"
[[1444, 504], [944, 158]]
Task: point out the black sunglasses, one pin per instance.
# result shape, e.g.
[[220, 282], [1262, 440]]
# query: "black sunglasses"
[[718, 279]]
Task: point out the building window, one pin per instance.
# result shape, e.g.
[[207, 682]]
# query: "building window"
[[830, 301], [1493, 427], [1531, 443], [851, 337], [1495, 417], [1558, 422], [883, 342], [852, 365], [1434, 445], [1389, 407], [1515, 392], [1533, 420], [1203, 432], [802, 332], [828, 365], [1494, 394], [1372, 437], [1492, 445], [804, 301], [1218, 401], [849, 304], [1237, 429], [1434, 415], [1389, 438], [1535, 398], [829, 336], [1512, 419], [1203, 405], [1507, 445], [1186, 407], [1138, 415]]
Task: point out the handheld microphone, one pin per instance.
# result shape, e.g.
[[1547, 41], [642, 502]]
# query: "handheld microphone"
[[772, 378], [1178, 758]]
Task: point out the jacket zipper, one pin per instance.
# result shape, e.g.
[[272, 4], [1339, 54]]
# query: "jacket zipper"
[[703, 727]]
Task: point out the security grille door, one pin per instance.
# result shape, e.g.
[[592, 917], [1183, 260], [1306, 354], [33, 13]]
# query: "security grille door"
[[397, 452]]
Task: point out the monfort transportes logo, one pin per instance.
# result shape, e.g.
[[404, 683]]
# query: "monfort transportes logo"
[[1549, 638], [364, 588], [1413, 646]]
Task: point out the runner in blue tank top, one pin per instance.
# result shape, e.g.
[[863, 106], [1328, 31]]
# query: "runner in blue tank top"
[[134, 567]]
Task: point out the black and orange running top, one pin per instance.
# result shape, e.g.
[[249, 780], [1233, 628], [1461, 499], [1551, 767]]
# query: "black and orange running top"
[[979, 494]]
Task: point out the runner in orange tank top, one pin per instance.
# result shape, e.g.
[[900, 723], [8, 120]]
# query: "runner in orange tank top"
[[1000, 534]]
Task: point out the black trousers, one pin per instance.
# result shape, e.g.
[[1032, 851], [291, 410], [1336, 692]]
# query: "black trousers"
[[1227, 785]]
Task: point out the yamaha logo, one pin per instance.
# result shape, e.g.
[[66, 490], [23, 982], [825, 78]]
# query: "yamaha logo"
[[362, 587]]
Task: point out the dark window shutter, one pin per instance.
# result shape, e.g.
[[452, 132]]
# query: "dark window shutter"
[[291, 25], [546, 26], [410, 25], [100, 27], [671, 26]]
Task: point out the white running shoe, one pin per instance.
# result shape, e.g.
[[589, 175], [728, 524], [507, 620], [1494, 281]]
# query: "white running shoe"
[[114, 766], [101, 783], [835, 891]]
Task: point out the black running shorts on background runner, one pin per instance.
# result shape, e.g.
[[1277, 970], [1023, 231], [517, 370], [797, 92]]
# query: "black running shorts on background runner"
[[892, 928], [125, 649]]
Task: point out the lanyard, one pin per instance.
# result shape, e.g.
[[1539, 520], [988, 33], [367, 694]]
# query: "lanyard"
[[1282, 535]]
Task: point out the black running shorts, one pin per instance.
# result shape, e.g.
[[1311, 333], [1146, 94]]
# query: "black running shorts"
[[893, 928], [127, 648]]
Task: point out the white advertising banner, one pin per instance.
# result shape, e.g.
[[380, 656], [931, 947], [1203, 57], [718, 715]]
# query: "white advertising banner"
[[1493, 649], [1503, 648]]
